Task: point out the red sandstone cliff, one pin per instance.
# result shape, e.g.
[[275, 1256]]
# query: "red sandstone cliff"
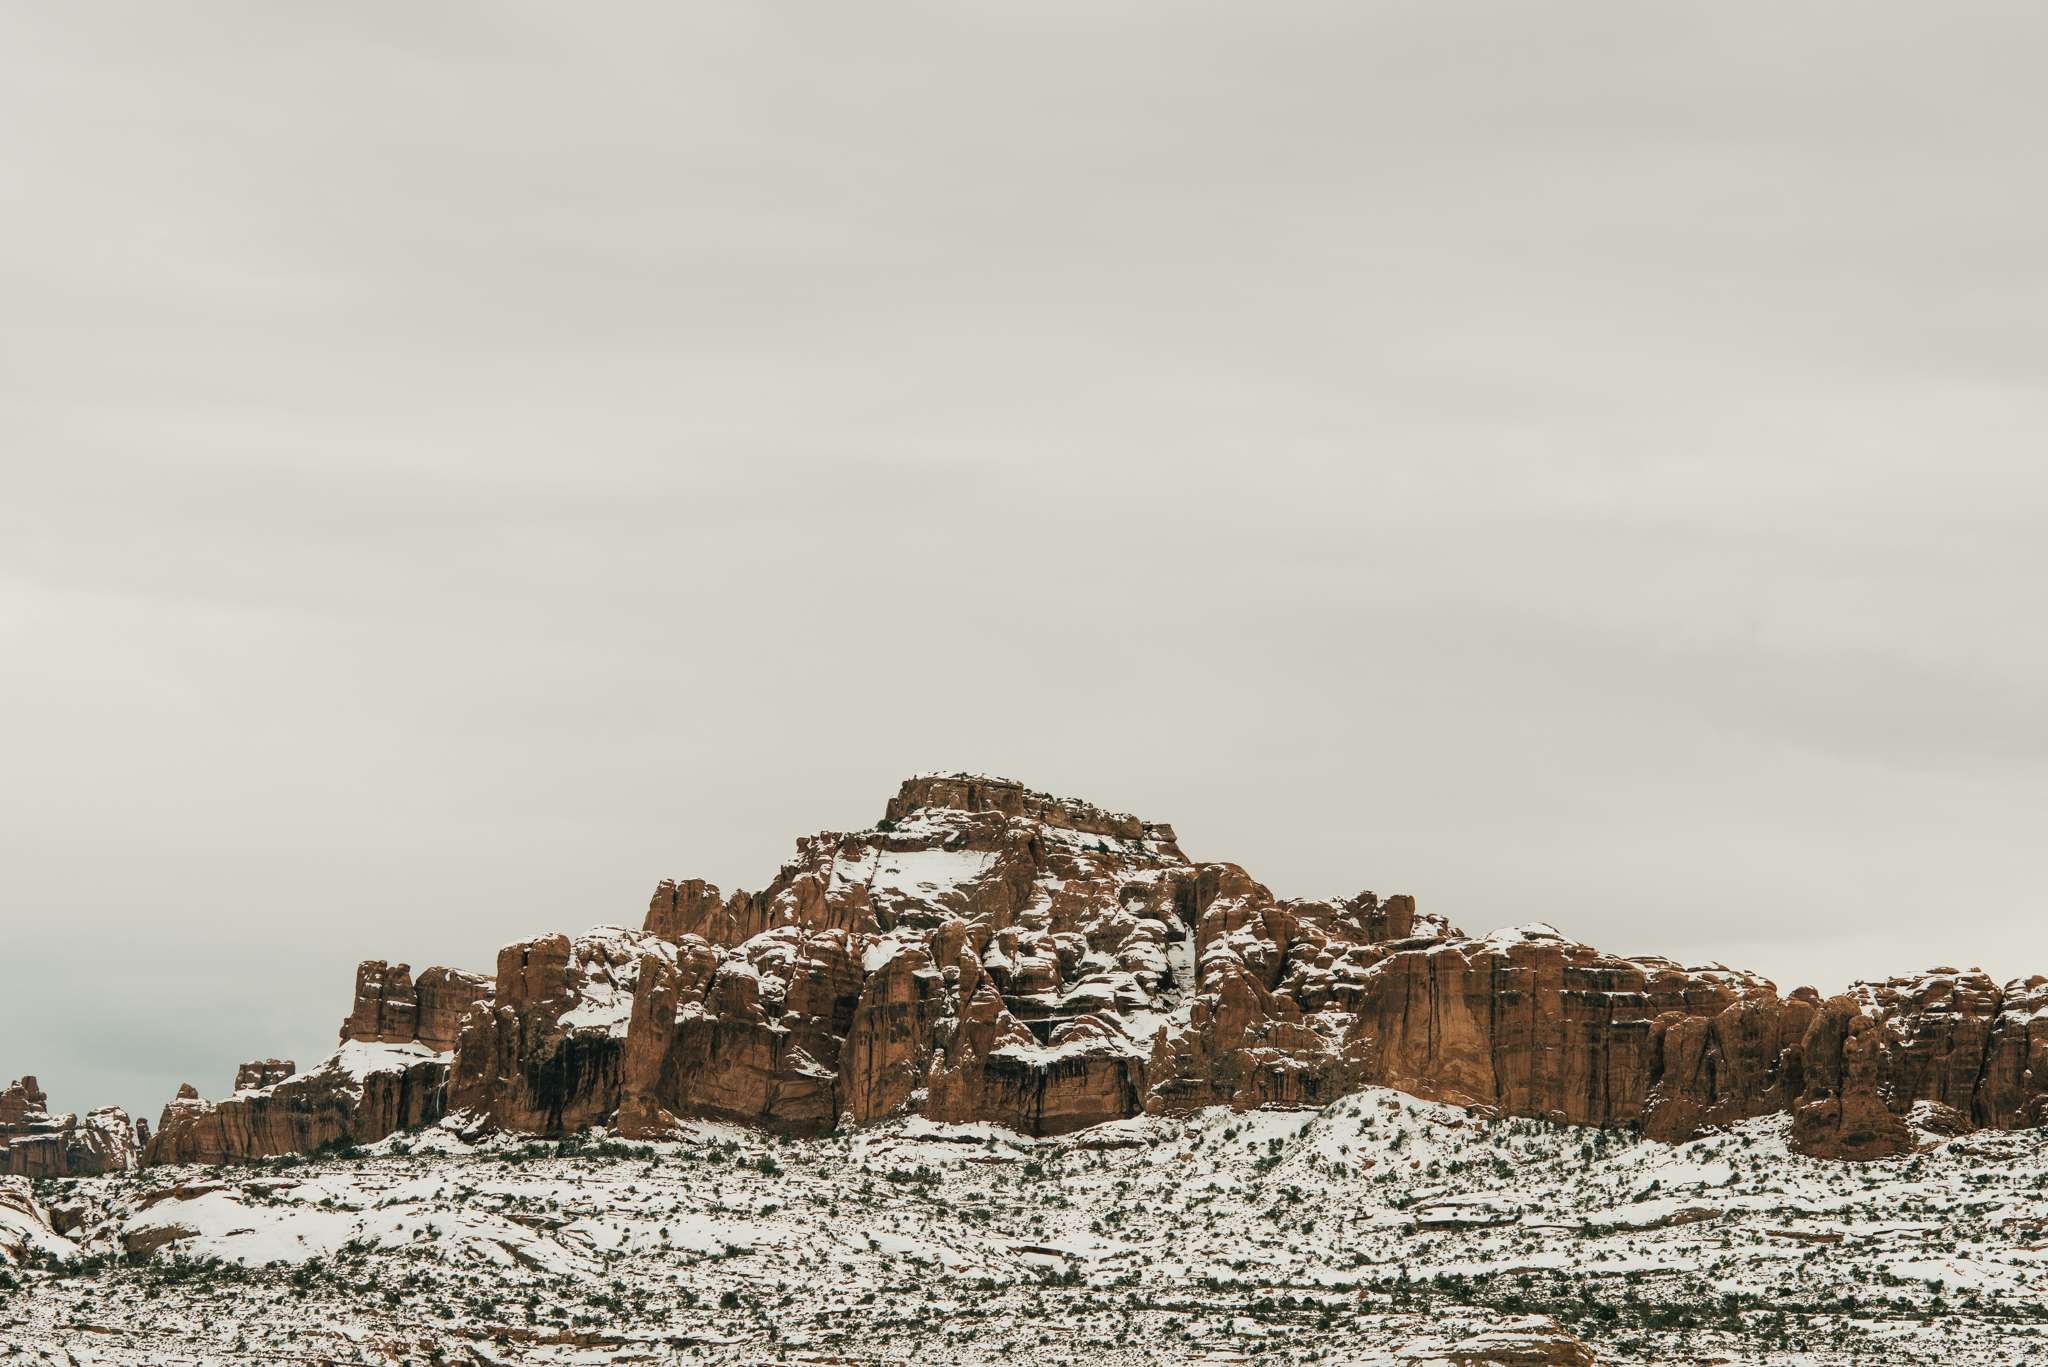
[[991, 953]]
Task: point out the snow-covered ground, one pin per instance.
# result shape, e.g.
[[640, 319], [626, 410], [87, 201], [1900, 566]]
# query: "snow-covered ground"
[[1378, 1230]]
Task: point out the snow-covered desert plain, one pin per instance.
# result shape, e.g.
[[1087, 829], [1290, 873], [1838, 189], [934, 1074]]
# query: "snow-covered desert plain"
[[1380, 1229]]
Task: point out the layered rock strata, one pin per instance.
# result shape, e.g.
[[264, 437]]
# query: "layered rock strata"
[[36, 1143]]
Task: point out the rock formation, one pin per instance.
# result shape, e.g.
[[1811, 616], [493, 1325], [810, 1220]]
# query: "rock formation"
[[35, 1143], [261, 1073], [543, 1057], [391, 1008], [990, 953], [1843, 1111], [390, 1074]]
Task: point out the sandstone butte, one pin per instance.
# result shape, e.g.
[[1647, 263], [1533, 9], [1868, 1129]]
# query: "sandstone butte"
[[990, 953]]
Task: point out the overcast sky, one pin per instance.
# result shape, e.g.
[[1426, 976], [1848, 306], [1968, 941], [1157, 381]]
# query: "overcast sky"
[[462, 463]]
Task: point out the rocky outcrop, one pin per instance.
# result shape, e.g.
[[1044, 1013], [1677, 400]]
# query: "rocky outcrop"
[[2013, 1093], [262, 1073], [988, 952], [36, 1143], [1710, 1070], [23, 1102], [26, 1228], [991, 953], [545, 1056], [1843, 1112], [360, 1094], [183, 1108], [390, 1074], [1521, 1341], [390, 1008], [753, 1037]]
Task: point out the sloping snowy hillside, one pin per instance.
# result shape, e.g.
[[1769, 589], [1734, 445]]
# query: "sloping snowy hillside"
[[1380, 1229]]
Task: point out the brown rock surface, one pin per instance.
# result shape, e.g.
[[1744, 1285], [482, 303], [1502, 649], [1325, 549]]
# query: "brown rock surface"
[[1843, 1113], [545, 1056], [1744, 1061], [390, 1008], [263, 1073], [391, 1073], [1938, 1031], [2013, 1093], [349, 1097], [23, 1102], [988, 952], [1522, 1341], [35, 1143], [992, 953]]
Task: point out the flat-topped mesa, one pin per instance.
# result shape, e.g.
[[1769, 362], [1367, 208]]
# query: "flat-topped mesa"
[[35, 1143], [391, 1072]]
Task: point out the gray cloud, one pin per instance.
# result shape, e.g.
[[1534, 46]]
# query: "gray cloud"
[[464, 464]]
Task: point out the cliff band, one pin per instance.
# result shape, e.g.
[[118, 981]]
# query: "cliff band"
[[989, 953]]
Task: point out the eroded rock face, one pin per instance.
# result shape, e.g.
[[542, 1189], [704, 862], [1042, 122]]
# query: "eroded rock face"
[[2014, 1091], [36, 1143], [390, 1073], [263, 1073], [23, 1102], [1843, 1113], [390, 1008], [1744, 1061], [360, 1094], [990, 953], [186, 1106], [987, 952], [545, 1056]]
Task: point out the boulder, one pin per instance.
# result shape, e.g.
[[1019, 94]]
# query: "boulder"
[[1524, 1341]]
